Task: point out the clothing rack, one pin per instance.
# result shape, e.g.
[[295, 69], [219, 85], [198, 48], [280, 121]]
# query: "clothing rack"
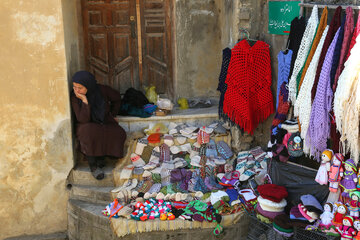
[[332, 6]]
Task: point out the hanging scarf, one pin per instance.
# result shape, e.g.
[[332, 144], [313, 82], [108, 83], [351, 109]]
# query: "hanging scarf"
[[93, 95], [248, 99], [222, 85], [303, 51], [334, 26], [319, 127], [319, 32]]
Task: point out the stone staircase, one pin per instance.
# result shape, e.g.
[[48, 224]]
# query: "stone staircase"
[[88, 196]]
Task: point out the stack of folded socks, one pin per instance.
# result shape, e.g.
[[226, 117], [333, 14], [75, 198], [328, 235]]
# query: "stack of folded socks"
[[271, 201]]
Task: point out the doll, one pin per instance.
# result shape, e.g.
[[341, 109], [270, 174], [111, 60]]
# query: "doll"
[[346, 231], [336, 172], [350, 179], [357, 227], [327, 215], [322, 173], [339, 214], [354, 204]]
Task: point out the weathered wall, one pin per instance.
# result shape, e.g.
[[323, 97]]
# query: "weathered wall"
[[202, 30], [35, 140]]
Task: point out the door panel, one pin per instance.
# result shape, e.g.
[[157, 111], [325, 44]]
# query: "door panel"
[[110, 42], [156, 45], [111, 38]]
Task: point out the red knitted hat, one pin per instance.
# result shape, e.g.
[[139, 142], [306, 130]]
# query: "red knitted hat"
[[154, 138], [272, 192]]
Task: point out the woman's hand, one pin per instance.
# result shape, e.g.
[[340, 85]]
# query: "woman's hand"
[[82, 97]]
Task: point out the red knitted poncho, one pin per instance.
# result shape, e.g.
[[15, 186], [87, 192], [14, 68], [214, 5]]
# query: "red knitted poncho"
[[248, 99]]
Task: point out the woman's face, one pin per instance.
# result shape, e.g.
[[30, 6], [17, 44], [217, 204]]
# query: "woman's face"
[[79, 89]]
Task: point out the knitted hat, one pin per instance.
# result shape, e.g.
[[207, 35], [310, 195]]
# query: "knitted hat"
[[271, 206], [339, 157], [351, 164], [350, 219], [270, 215], [272, 192], [310, 200], [224, 150], [328, 153], [283, 221], [295, 145], [154, 138], [357, 193]]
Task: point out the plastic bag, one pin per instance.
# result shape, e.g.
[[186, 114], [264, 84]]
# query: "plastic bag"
[[164, 103], [151, 94], [183, 103], [157, 128]]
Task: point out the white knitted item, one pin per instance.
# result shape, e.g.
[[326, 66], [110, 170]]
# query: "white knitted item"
[[304, 48], [350, 130], [302, 107], [271, 206], [345, 82]]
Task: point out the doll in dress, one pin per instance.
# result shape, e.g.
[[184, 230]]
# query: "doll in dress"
[[354, 204], [327, 215], [357, 227], [336, 172], [348, 183], [339, 214], [346, 230], [322, 173]]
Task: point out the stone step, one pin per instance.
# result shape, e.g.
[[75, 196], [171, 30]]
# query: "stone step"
[[53, 236], [81, 175], [194, 117], [85, 222], [92, 194]]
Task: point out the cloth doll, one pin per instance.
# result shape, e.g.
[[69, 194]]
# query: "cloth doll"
[[354, 204], [322, 173], [357, 227], [348, 183], [339, 215], [346, 231], [327, 215], [336, 172]]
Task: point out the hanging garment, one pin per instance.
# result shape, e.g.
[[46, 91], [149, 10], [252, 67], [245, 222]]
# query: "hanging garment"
[[345, 83], [248, 99], [334, 26], [283, 107], [350, 130], [319, 32], [319, 126], [284, 62], [297, 29], [354, 36], [222, 85], [348, 31], [302, 107], [336, 57], [303, 51]]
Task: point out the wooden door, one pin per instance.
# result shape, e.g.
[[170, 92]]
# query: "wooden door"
[[110, 42], [156, 47], [128, 43]]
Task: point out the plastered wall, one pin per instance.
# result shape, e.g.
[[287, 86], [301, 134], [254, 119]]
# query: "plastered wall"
[[202, 30], [35, 140]]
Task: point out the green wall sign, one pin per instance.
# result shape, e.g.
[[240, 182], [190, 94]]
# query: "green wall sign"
[[281, 13]]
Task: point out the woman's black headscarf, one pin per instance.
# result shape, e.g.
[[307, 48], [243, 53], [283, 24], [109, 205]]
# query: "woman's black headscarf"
[[95, 99]]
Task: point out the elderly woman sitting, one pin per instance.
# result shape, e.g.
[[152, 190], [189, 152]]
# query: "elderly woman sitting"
[[95, 106]]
